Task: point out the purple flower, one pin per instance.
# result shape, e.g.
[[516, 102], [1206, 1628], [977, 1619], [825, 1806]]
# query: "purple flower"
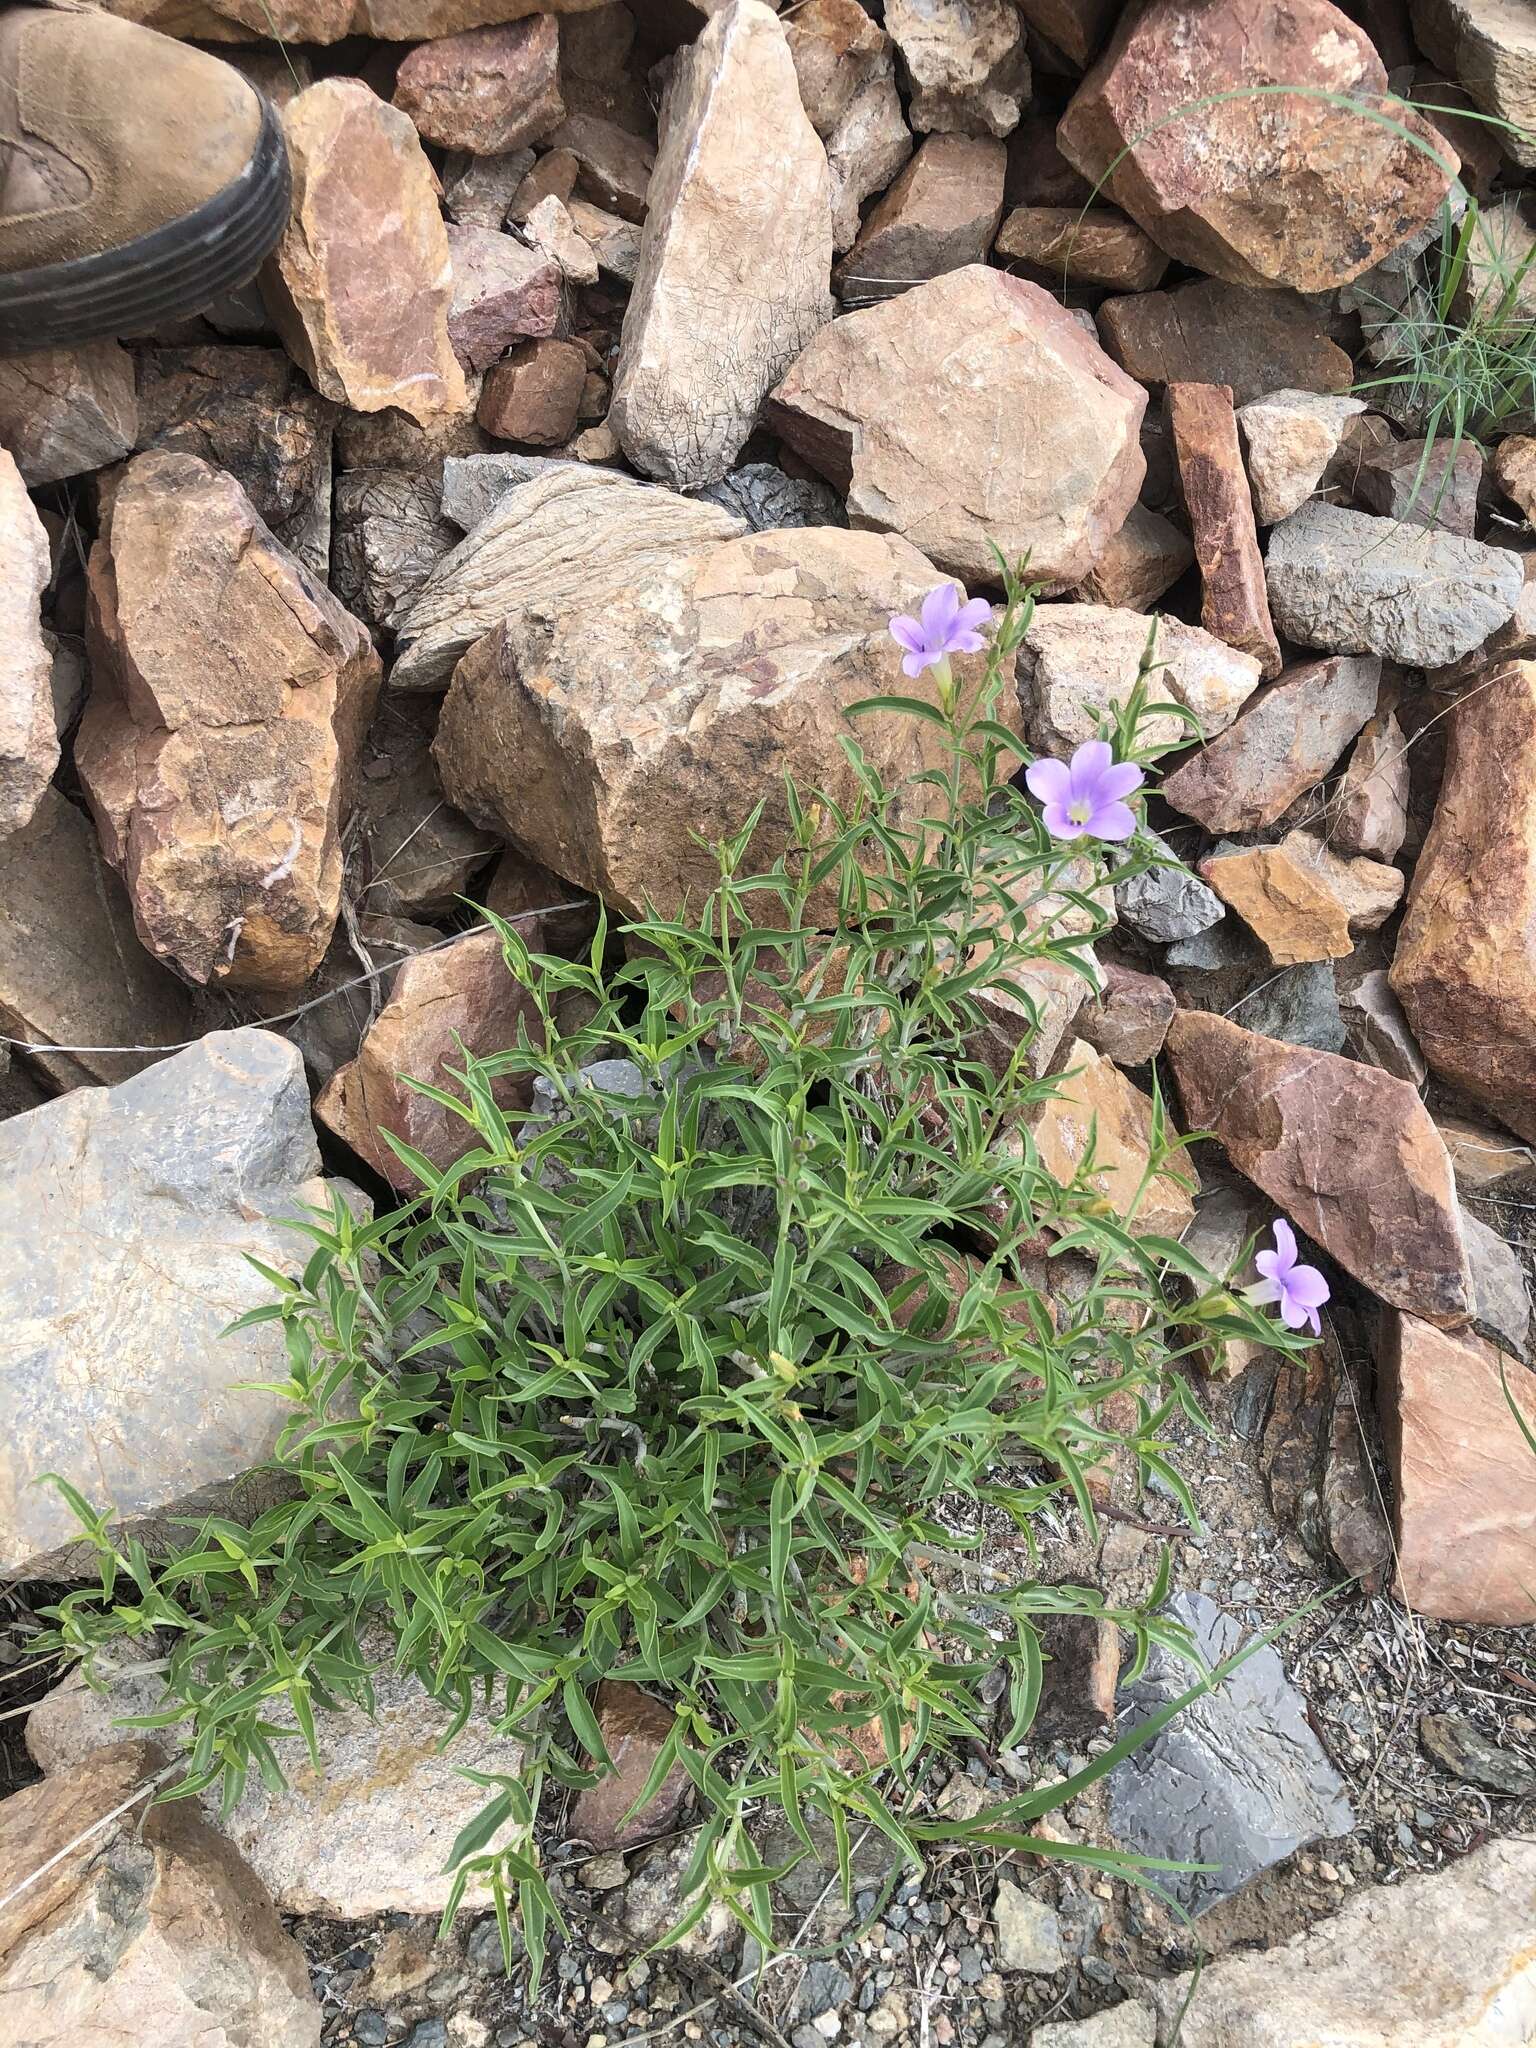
[[1300, 1290], [1084, 797], [948, 625]]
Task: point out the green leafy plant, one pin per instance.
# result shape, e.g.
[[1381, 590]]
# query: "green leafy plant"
[[708, 1370]]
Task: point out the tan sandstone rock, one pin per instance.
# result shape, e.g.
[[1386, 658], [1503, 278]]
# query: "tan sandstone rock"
[[360, 285], [966, 65], [29, 736], [489, 90], [601, 739], [1369, 812], [1099, 1121], [1290, 910], [229, 696], [982, 377], [459, 998], [1079, 662], [147, 1928], [1139, 563], [1347, 1152], [1490, 46], [1465, 969], [1290, 438], [732, 281], [66, 410], [1259, 189], [569, 534], [1465, 1509], [1514, 471]]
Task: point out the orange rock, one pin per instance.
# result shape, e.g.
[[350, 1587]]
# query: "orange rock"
[[1290, 910], [1097, 1112], [1464, 1477]]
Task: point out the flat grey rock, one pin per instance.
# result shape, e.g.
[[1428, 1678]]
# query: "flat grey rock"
[[1354, 584], [1237, 1781], [1299, 1005], [1168, 904], [1501, 1306], [763, 496]]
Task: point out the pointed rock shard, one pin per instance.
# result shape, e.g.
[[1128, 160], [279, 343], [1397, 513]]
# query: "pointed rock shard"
[[1097, 1114], [982, 376], [1290, 438], [360, 285], [230, 694], [1261, 188], [1349, 1154], [939, 215], [1369, 812], [735, 254], [29, 735], [1466, 957], [1214, 487]]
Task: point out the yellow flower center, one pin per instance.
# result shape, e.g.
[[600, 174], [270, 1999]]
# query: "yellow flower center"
[[1080, 812]]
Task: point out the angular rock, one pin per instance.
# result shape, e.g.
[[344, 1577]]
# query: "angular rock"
[[1485, 1160], [1368, 1978], [328, 21], [866, 149], [250, 411], [1464, 1510], [982, 376], [328, 1032], [1214, 488], [360, 285], [552, 176], [1079, 662], [1079, 29], [478, 190], [1501, 1305], [1459, 1746], [72, 971], [389, 536], [1369, 812], [149, 1928], [1130, 1020], [1166, 904], [1096, 1110], [966, 66], [1237, 1780], [1419, 483], [488, 90], [1379, 1029], [1514, 471], [1287, 906], [940, 214], [29, 736], [634, 1728], [614, 166], [1096, 246], [1466, 957], [732, 281], [569, 534], [551, 230], [1284, 742], [1353, 584], [67, 410], [603, 741], [1215, 333], [393, 440], [1490, 46], [615, 243], [763, 497], [128, 1215], [1290, 438], [534, 395], [459, 999], [1028, 1932], [1139, 563], [219, 668], [1347, 1152], [836, 49], [1299, 1005], [366, 1830], [1515, 640], [421, 852], [474, 485], [1368, 891], [1256, 188], [1122, 2026], [503, 292]]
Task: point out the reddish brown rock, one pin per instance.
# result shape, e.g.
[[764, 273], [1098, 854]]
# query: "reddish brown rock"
[[328, 21], [1347, 1152], [1514, 471], [941, 213], [503, 292], [634, 1729], [1074, 245], [1257, 188], [1129, 1021], [1215, 333], [614, 166], [229, 695], [1466, 957], [29, 736], [1284, 741], [460, 998], [535, 395], [1423, 483], [982, 376], [1097, 1114], [1464, 1507], [360, 285], [487, 91], [1214, 487], [1369, 812], [1143, 560], [67, 410]]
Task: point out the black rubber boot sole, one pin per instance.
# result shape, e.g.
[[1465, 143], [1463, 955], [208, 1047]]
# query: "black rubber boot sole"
[[164, 275]]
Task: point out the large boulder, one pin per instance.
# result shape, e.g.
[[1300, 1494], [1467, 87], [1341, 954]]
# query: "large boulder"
[[230, 693], [734, 257], [1347, 1152], [29, 734], [1258, 187], [360, 284], [1079, 662], [970, 411], [603, 740], [1465, 969], [144, 1925], [128, 1219]]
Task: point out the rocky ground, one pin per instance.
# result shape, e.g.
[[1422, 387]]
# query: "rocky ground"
[[622, 369]]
